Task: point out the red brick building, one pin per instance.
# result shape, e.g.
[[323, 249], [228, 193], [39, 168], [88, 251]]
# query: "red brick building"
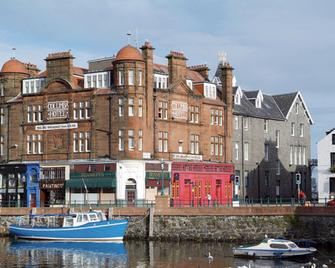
[[136, 118]]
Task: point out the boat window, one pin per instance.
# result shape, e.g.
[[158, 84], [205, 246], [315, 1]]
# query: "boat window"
[[283, 246], [100, 216], [79, 218], [93, 217], [85, 217], [68, 222], [292, 245]]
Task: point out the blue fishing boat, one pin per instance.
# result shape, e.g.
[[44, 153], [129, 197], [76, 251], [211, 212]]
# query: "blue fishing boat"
[[81, 226]]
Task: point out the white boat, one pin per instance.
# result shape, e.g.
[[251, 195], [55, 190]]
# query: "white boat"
[[273, 248]]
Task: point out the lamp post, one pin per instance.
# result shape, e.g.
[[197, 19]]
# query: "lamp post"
[[162, 169]]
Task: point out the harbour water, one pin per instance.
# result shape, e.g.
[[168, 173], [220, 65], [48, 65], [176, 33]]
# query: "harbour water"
[[18, 253]]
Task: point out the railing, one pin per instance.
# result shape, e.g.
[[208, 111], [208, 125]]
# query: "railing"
[[181, 203]]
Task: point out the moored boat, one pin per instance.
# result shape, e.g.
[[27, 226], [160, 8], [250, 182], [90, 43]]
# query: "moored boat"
[[273, 248], [80, 226]]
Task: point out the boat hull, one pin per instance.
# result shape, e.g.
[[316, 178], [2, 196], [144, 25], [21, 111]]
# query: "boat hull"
[[111, 230], [269, 253]]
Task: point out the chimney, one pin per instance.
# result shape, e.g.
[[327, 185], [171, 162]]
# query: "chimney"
[[177, 66], [201, 69], [32, 69], [227, 96], [147, 53], [60, 65]]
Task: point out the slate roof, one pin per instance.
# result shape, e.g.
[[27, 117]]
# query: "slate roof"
[[285, 101], [269, 110]]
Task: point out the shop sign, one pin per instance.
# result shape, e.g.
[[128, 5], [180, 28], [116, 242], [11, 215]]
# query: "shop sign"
[[191, 157], [51, 184], [58, 109], [179, 110], [57, 126], [93, 175]]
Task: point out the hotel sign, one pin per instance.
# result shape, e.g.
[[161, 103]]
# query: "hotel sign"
[[192, 157], [58, 109], [56, 126], [179, 110]]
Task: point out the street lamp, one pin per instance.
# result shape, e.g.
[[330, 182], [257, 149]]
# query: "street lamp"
[[162, 168]]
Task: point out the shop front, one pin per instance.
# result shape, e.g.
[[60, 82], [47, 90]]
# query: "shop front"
[[19, 185], [201, 184], [52, 185], [92, 185], [157, 180]]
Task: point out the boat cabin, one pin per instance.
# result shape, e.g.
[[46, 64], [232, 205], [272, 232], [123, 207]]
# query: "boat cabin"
[[82, 218]]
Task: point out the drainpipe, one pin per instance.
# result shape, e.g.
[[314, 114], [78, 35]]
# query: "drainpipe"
[[242, 156]]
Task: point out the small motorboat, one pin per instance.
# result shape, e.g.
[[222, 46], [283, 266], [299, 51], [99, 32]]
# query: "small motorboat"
[[80, 226], [273, 248]]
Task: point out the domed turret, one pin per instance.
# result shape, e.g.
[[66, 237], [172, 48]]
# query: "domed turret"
[[14, 66], [129, 53]]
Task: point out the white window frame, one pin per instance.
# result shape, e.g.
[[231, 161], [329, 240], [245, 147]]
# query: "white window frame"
[[291, 154], [131, 77], [301, 130], [292, 129], [140, 139], [139, 77], [236, 122], [266, 151], [266, 126], [236, 145], [140, 107], [120, 78], [121, 140], [121, 107], [246, 151], [277, 139], [131, 140], [131, 107]]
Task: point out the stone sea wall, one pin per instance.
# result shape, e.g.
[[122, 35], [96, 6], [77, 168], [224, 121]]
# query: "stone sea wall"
[[219, 224]]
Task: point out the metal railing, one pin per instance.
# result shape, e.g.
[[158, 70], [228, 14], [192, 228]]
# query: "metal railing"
[[180, 203]]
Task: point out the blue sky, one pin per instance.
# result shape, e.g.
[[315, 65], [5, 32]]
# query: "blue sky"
[[276, 46]]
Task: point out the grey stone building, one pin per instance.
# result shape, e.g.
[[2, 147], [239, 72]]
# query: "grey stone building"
[[271, 144]]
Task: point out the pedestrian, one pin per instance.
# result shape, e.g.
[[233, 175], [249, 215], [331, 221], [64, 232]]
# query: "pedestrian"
[[209, 198], [302, 197]]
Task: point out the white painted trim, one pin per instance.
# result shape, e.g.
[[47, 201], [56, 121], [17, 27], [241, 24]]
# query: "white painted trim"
[[304, 105], [66, 228]]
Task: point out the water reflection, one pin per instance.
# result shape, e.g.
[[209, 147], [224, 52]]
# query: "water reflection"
[[133, 254], [65, 254]]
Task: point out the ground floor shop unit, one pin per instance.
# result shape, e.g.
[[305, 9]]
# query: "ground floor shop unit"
[[19, 185], [201, 184]]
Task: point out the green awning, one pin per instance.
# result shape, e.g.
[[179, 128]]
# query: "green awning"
[[91, 183], [152, 175]]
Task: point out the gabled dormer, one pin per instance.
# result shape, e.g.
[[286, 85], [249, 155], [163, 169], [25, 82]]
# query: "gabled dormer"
[[259, 99], [238, 96]]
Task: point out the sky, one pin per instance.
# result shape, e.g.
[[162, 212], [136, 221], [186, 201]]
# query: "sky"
[[277, 46]]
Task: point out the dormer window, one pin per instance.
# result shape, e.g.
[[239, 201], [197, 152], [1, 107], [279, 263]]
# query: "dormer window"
[[99, 80], [32, 85], [259, 100], [189, 83], [210, 91], [160, 81], [238, 96]]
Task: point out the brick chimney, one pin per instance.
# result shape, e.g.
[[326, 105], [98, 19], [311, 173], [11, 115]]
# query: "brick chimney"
[[60, 65], [201, 69], [32, 69], [147, 53], [227, 96], [177, 66]]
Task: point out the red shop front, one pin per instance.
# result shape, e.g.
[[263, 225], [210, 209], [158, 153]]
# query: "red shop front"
[[201, 184]]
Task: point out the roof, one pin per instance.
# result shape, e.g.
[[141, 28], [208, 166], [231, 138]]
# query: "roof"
[[287, 101], [284, 101], [129, 53], [268, 110], [14, 66], [195, 76]]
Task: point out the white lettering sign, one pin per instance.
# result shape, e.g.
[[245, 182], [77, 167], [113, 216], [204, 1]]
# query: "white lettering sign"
[[58, 109], [179, 110], [195, 157], [56, 126]]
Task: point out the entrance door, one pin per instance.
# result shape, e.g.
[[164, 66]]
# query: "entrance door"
[[33, 200], [131, 192]]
